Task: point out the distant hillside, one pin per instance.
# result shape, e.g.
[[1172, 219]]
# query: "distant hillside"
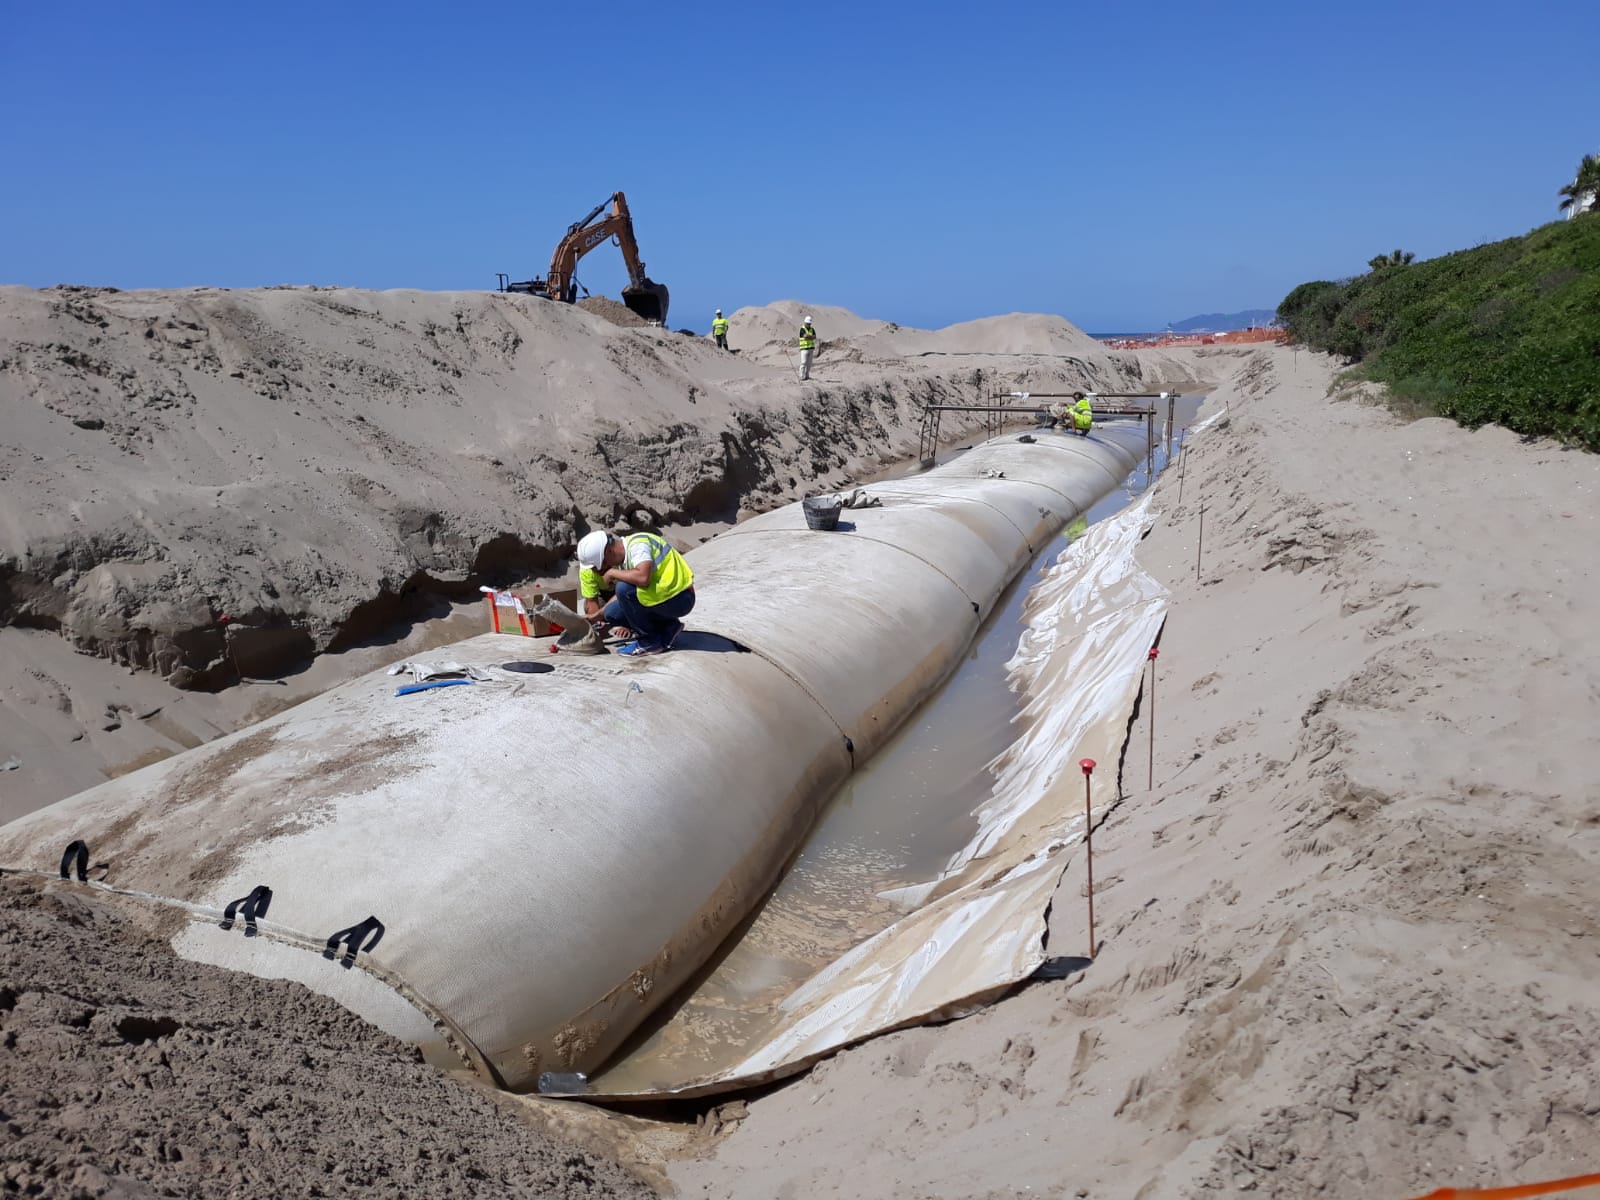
[[1215, 322]]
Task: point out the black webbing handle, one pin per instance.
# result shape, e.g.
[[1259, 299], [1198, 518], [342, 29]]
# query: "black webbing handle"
[[352, 939], [249, 907], [79, 851]]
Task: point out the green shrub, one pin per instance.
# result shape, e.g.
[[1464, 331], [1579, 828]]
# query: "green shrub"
[[1506, 333]]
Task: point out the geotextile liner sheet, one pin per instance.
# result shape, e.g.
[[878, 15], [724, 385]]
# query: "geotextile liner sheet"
[[540, 857]]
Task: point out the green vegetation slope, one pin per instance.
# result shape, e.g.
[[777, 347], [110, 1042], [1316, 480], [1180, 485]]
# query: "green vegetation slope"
[[1507, 333]]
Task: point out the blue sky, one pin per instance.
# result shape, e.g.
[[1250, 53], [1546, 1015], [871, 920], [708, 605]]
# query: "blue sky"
[[925, 163]]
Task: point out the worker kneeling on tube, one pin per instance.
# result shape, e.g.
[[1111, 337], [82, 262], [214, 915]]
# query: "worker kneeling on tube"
[[654, 586], [1082, 416]]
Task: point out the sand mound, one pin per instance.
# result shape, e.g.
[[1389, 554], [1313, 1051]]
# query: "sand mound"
[[614, 311], [289, 456], [863, 339], [1017, 333], [779, 322]]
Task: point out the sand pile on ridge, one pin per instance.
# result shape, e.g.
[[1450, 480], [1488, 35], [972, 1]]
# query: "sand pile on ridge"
[[614, 311], [129, 1072], [774, 326], [777, 323], [1018, 333]]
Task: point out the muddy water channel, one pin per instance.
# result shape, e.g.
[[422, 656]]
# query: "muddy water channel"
[[891, 828]]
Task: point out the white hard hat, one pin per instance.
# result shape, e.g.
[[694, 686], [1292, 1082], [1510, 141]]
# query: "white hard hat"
[[592, 549], [719, 312], [805, 320]]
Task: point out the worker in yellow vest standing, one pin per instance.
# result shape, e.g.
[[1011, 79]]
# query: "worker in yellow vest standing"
[[808, 347], [719, 330], [655, 587]]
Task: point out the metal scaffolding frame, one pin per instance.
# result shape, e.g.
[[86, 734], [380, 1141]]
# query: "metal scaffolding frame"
[[995, 414]]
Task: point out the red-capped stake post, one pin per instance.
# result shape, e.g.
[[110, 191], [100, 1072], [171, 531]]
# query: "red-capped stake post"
[[1088, 843]]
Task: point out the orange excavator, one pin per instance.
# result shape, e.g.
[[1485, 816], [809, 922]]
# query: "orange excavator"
[[643, 295]]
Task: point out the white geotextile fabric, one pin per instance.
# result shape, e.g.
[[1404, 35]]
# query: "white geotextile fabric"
[[422, 672]]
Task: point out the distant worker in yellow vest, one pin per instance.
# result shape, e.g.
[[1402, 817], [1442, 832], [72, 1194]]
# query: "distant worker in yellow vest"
[[654, 585], [1082, 416], [808, 347], [719, 330]]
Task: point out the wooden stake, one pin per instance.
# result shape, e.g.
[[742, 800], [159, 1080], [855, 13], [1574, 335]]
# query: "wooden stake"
[[1183, 460], [1151, 782]]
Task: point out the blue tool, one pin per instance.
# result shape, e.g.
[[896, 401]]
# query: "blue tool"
[[422, 687]]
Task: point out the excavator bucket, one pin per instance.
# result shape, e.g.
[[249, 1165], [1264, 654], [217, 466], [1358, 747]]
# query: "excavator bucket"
[[648, 300]]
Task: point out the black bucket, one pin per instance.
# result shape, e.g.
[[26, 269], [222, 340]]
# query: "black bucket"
[[821, 512]]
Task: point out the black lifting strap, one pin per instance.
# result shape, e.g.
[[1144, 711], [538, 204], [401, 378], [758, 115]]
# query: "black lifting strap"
[[352, 938], [79, 850], [249, 907]]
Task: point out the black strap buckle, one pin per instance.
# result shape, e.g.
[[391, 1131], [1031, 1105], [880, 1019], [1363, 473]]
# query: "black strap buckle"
[[249, 907], [352, 938]]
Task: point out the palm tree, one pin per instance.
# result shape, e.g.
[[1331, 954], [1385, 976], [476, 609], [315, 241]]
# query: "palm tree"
[[1579, 195], [1398, 259]]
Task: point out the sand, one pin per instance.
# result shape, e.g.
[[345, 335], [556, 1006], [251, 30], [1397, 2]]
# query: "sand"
[[202, 485], [1349, 943], [129, 1073]]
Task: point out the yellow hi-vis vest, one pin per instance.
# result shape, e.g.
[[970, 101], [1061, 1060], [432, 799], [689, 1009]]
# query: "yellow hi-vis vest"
[[1083, 416], [719, 326], [808, 338], [669, 573]]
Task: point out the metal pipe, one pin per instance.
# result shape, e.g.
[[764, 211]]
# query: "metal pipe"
[[1119, 411], [1074, 396]]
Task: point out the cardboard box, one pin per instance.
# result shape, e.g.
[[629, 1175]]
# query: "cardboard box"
[[537, 624]]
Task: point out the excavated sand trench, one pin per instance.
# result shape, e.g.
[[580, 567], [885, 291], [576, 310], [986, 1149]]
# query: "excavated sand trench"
[[914, 799], [893, 825]]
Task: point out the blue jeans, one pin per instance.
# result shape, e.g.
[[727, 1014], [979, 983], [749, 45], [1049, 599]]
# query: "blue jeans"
[[652, 623]]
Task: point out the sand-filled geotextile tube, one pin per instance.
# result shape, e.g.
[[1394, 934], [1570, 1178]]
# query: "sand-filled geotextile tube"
[[555, 847]]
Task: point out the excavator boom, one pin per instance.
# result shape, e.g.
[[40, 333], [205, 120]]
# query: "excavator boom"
[[642, 295]]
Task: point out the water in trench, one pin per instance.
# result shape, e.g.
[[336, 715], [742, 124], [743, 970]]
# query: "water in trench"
[[894, 824]]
